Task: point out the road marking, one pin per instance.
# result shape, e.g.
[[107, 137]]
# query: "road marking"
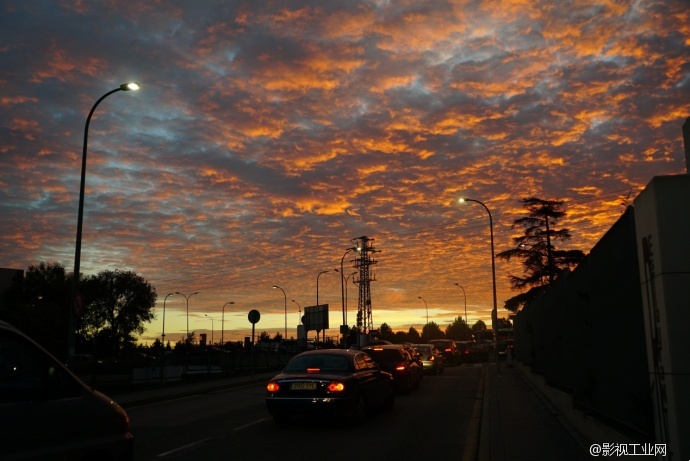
[[474, 431], [250, 424], [184, 447]]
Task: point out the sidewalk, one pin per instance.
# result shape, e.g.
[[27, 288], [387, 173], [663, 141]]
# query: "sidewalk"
[[517, 425]]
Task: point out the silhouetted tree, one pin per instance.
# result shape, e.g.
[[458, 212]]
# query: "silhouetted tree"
[[432, 331], [386, 332], [412, 336], [458, 330], [541, 260], [116, 305]]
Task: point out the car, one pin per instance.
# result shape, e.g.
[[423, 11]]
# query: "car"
[[396, 360], [451, 355], [52, 413], [432, 359], [342, 383]]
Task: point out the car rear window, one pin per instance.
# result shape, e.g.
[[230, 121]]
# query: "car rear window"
[[322, 362], [385, 354]]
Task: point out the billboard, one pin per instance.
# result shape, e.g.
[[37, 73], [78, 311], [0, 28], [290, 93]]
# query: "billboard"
[[316, 317]]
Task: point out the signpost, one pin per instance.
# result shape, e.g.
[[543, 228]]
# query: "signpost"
[[254, 316]]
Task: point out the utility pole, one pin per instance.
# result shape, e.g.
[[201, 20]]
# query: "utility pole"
[[363, 265]]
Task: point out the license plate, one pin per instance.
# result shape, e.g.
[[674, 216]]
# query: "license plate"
[[303, 386]]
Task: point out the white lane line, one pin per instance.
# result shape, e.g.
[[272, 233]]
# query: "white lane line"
[[184, 447], [250, 424]]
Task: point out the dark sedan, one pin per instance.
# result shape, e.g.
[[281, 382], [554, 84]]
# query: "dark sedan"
[[344, 383], [395, 359]]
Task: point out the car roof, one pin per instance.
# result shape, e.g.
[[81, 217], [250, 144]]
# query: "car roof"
[[344, 352]]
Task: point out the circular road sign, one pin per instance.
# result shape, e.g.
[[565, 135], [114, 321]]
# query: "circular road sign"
[[254, 316]]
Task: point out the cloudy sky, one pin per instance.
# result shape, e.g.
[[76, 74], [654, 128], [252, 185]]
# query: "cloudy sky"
[[268, 135]]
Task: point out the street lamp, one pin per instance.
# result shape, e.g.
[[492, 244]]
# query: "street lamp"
[[76, 297], [299, 309], [427, 309], [187, 299], [206, 315], [343, 283], [463, 292], [285, 301], [317, 298], [222, 323], [163, 333], [494, 312]]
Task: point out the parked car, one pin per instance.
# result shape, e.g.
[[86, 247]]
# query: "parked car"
[[397, 361], [432, 359], [51, 414], [450, 352], [342, 383]]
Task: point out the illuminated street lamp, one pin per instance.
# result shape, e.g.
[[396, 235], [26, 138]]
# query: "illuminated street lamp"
[[222, 323], [494, 312], [285, 301], [465, 295], [76, 296]]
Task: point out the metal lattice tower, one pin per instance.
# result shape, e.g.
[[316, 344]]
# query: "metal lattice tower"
[[363, 263]]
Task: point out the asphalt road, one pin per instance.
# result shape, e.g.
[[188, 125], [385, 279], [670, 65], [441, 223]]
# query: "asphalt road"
[[233, 424]]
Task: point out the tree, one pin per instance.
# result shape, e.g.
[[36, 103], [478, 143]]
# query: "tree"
[[116, 305], [412, 336], [432, 331], [541, 260], [386, 332], [38, 304], [458, 330], [264, 336]]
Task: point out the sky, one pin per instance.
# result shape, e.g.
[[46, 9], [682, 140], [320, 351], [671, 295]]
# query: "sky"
[[266, 136]]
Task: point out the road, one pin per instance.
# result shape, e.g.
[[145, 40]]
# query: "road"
[[233, 424]]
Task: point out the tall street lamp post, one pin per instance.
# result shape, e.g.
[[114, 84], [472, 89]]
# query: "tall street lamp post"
[[317, 298], [187, 299], [222, 323], [285, 302], [427, 309], [77, 307], [342, 285], [299, 309], [163, 338], [463, 293], [206, 315], [494, 312]]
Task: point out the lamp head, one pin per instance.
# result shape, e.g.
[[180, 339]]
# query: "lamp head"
[[131, 86]]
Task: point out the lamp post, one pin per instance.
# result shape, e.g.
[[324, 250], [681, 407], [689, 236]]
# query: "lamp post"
[[222, 323], [343, 282], [187, 299], [346, 279], [466, 325], [163, 339], [163, 333], [427, 309], [76, 296], [285, 301], [206, 315], [494, 312], [317, 297], [299, 309]]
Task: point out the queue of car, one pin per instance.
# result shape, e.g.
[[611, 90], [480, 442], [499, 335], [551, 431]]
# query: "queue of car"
[[348, 384]]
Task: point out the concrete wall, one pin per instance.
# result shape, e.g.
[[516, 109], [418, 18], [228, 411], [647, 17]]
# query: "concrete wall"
[[663, 242]]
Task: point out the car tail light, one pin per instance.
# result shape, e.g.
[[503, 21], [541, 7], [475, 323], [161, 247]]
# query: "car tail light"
[[313, 370], [448, 349], [336, 387], [272, 387], [400, 367], [432, 358]]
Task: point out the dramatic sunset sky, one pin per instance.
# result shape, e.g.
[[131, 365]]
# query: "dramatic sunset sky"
[[268, 135]]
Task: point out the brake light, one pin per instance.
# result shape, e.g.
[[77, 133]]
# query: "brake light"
[[336, 387], [313, 370], [272, 387], [448, 349], [432, 358], [400, 367]]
